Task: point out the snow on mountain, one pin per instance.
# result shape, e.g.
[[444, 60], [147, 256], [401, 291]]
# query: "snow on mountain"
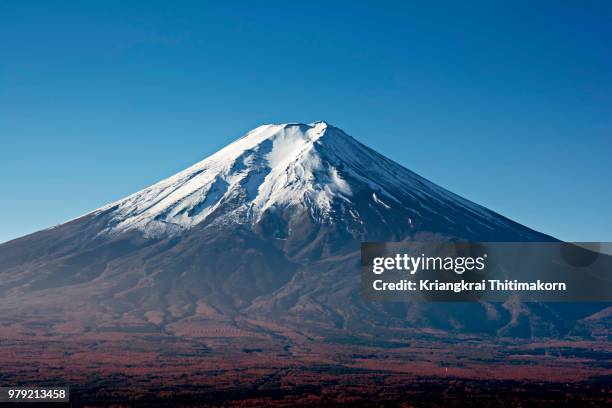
[[279, 166]]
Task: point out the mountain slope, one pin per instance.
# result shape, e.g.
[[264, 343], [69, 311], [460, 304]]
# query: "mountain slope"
[[268, 227]]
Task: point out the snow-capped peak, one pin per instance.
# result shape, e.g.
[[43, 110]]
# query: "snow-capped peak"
[[272, 165]]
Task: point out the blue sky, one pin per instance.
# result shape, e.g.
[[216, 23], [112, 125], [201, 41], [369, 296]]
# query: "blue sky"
[[508, 104]]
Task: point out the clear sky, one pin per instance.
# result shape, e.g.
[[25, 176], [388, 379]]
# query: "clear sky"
[[508, 104]]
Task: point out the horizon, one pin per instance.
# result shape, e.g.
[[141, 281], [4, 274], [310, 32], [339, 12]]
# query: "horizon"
[[100, 101]]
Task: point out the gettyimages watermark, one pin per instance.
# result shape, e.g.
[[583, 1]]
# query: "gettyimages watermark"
[[487, 271]]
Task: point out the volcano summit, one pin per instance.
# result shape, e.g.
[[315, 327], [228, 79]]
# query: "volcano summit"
[[315, 170]]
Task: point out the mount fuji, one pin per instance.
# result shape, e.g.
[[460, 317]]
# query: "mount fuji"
[[266, 229]]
